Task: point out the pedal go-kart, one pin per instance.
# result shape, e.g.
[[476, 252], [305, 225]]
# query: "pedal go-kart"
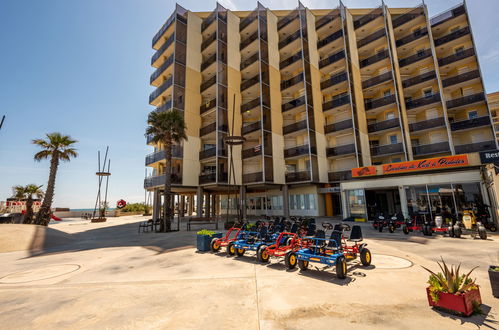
[[250, 241], [231, 236], [354, 250], [284, 245], [411, 225], [469, 225], [439, 226]]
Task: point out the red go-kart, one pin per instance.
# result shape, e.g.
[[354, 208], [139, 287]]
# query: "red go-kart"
[[284, 245], [229, 237]]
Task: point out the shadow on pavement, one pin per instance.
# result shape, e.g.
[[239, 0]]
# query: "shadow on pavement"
[[480, 320]]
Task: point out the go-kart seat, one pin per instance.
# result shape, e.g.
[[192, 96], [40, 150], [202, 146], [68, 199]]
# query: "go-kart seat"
[[335, 240], [320, 234], [337, 227], [263, 233], [356, 234]]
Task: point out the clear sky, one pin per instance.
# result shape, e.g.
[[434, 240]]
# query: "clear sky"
[[82, 68]]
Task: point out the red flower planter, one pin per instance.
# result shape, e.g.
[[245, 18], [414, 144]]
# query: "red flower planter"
[[462, 303]]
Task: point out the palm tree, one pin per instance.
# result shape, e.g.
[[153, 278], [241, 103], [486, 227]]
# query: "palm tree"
[[167, 127], [57, 147], [27, 192]]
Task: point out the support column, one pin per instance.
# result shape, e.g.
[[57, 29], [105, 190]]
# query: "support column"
[[403, 202], [213, 205], [242, 201], [191, 205], [208, 205], [285, 200], [155, 206], [199, 206], [344, 204]]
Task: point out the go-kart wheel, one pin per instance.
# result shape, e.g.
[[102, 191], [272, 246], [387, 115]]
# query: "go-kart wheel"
[[391, 228], [290, 260], [450, 231], [457, 232], [262, 254], [231, 249], [380, 228], [405, 230], [240, 252], [303, 264], [215, 245], [341, 267], [482, 233], [365, 257]]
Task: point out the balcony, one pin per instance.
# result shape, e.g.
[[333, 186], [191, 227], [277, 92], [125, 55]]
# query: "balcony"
[[432, 148], [470, 123], [209, 61], [465, 100], [375, 58], [407, 17], [383, 125], [448, 15], [287, 19], [249, 128], [162, 49], [420, 55], [363, 20], [208, 178], [161, 69], [154, 157], [336, 79], [346, 149], [452, 36], [154, 95], [339, 126], [206, 42], [379, 102], [163, 29], [250, 60], [384, 77], [475, 147], [329, 39], [250, 82], [291, 82], [208, 153], [412, 37], [248, 20], [370, 38], [425, 100], [295, 127], [156, 181], [252, 152], [387, 149], [461, 78], [293, 104], [166, 106], [208, 129], [427, 124], [253, 177], [456, 57], [289, 39], [298, 176], [332, 59], [250, 105], [208, 20], [208, 83], [208, 106], [290, 60], [296, 151], [247, 41], [327, 19], [336, 102], [339, 176], [419, 79]]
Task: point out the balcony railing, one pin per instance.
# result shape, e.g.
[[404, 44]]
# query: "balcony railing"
[[209, 61], [470, 123], [250, 82], [250, 105], [387, 149], [289, 39], [420, 55], [293, 104], [379, 102], [456, 57], [425, 100], [248, 20], [336, 79], [208, 129], [208, 83], [160, 89], [291, 82], [465, 100], [251, 152], [207, 153], [375, 58], [330, 38], [345, 149], [407, 17], [298, 176], [162, 49], [339, 176], [419, 79], [155, 181], [249, 128], [475, 147], [327, 18], [161, 69], [208, 178], [296, 151], [208, 106], [166, 106], [371, 16], [208, 41], [452, 36], [461, 78], [432, 148], [287, 19], [208, 20], [336, 102], [370, 38], [165, 27], [332, 59], [247, 41], [253, 177], [339, 126], [290, 60], [448, 15], [250, 60], [377, 80], [382, 125], [415, 35], [294, 127], [177, 152], [427, 124]]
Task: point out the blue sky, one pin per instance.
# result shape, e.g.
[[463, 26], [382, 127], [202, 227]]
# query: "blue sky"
[[83, 67]]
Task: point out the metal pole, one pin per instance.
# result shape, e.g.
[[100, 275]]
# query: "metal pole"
[[107, 184], [98, 191], [1, 122]]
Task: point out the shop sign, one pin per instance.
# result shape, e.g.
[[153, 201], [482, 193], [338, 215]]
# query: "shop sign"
[[363, 171], [328, 190], [426, 164], [489, 157]]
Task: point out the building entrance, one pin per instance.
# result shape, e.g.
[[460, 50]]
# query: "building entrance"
[[385, 201]]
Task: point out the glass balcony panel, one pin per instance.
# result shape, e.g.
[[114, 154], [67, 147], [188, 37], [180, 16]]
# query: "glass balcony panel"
[[465, 100], [341, 150], [339, 126], [427, 124], [470, 123], [425, 100], [382, 125]]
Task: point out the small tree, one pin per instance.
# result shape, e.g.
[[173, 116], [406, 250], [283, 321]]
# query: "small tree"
[[26, 193]]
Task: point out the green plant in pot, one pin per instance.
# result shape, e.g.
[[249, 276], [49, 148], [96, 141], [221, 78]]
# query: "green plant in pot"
[[453, 291], [204, 238], [494, 275]]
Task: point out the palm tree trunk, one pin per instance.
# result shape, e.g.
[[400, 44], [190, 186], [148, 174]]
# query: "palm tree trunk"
[[28, 217], [43, 216], [168, 184]]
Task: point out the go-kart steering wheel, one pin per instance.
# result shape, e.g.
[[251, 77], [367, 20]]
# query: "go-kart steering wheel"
[[327, 226], [346, 227]]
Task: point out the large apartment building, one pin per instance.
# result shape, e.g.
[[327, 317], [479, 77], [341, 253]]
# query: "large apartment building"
[[328, 101]]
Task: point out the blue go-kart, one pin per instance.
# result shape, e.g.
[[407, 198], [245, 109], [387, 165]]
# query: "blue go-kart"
[[250, 241], [320, 250]]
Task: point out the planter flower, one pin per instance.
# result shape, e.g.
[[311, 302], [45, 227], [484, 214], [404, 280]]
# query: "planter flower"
[[494, 280], [452, 291], [204, 238]]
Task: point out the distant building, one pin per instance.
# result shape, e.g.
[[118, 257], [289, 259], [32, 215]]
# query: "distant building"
[[493, 99]]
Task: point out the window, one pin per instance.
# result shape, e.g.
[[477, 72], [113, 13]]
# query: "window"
[[387, 93], [390, 115], [459, 50], [472, 114], [428, 92], [393, 139]]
